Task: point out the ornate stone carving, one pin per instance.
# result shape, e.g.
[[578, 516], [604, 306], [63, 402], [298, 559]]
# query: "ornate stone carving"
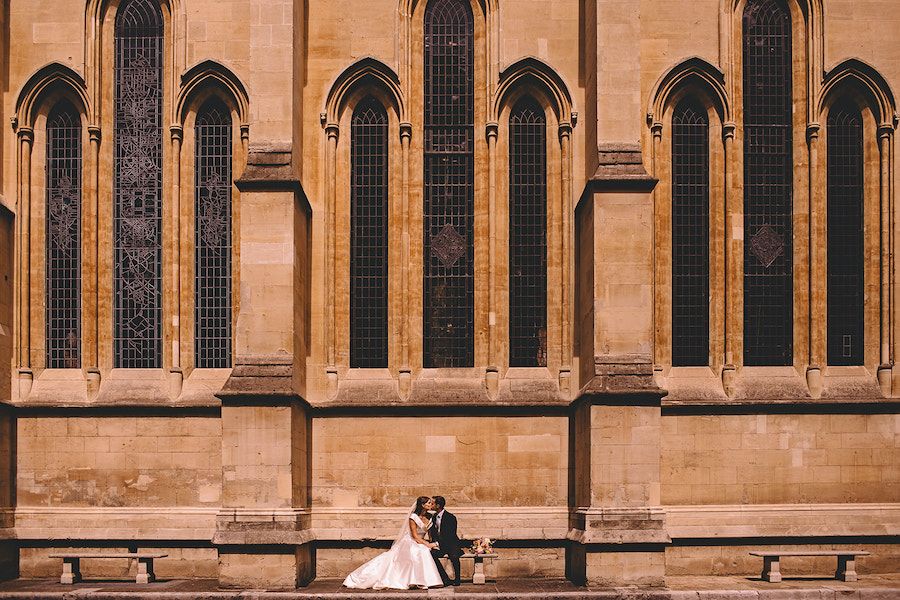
[[448, 246], [767, 245]]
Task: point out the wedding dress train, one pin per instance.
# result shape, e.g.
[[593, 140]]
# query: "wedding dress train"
[[407, 564]]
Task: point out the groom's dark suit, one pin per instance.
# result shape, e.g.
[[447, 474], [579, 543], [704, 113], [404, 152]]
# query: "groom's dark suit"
[[448, 541]]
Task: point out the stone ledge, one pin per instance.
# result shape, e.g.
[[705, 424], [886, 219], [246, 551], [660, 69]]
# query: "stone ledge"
[[626, 375]]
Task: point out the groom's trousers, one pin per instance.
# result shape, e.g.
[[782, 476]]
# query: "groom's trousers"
[[436, 554]]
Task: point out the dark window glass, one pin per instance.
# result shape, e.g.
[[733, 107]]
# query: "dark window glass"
[[768, 167], [212, 213], [690, 235], [369, 236], [845, 236], [137, 234], [449, 255], [527, 235], [63, 222]]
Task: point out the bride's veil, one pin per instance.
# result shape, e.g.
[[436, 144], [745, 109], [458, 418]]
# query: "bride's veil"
[[404, 527]]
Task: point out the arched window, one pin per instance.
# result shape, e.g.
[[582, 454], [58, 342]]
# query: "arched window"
[[527, 235], [137, 234], [212, 237], [63, 241], [369, 236], [690, 234], [845, 236], [768, 168], [449, 255]]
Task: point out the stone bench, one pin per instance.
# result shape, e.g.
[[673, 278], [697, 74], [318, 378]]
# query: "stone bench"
[[478, 571], [846, 562], [71, 572]]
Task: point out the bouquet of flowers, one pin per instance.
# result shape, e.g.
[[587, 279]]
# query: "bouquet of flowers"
[[482, 546]]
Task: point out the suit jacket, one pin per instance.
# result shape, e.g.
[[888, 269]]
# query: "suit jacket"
[[447, 538]]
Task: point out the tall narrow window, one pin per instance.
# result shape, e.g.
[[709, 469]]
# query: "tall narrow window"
[[690, 235], [212, 233], [449, 255], [768, 168], [63, 241], [527, 235], [368, 236], [137, 229], [845, 236]]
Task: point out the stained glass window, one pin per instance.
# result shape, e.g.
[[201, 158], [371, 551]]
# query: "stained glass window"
[[768, 169], [449, 255], [369, 236], [212, 213], [845, 236], [527, 235], [690, 234], [137, 228], [63, 242]]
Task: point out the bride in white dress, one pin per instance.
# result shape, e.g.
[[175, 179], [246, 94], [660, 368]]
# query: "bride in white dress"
[[408, 563]]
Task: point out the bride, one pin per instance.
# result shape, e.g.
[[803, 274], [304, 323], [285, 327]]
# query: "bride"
[[408, 563]]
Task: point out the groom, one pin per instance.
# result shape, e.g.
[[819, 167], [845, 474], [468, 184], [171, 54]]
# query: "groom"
[[443, 531]]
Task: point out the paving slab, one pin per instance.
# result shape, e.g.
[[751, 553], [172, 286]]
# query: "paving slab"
[[871, 587]]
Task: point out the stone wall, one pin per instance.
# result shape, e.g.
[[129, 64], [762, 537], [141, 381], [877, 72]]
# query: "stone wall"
[[780, 458], [119, 461]]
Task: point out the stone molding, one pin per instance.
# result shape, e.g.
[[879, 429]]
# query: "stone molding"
[[621, 167], [269, 169], [267, 526], [260, 377], [510, 523], [623, 375], [619, 525]]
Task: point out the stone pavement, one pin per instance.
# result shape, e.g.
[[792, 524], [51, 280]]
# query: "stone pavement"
[[870, 587]]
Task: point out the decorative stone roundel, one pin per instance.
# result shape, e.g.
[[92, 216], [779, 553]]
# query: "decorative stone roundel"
[[767, 245], [448, 246]]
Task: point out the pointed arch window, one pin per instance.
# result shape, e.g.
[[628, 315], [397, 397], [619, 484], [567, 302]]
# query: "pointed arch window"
[[768, 168], [212, 233], [846, 267], [449, 255], [137, 229], [527, 235], [690, 234], [63, 238], [369, 236]]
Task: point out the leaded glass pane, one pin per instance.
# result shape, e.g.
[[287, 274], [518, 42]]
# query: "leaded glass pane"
[[449, 255], [846, 269], [212, 213], [768, 168], [63, 241], [690, 235], [369, 236], [137, 234], [527, 235]]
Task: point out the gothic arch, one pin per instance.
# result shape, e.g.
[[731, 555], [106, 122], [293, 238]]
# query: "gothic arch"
[[530, 70], [175, 20], [863, 78], [692, 72], [211, 73], [54, 76], [364, 72]]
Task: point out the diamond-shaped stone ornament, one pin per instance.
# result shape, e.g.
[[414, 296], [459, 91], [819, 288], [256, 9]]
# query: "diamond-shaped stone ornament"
[[448, 246], [766, 245]]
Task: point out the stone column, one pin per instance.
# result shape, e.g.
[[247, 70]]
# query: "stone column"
[[733, 260], [176, 374], [405, 379], [9, 557], [92, 297], [565, 343], [331, 132], [26, 376], [816, 283], [492, 374], [262, 531], [885, 135]]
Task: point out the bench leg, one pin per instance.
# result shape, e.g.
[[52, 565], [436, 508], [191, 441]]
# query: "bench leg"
[[846, 569], [478, 575], [771, 569], [71, 572], [145, 571]]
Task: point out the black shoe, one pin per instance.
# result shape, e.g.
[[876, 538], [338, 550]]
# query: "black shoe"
[[456, 583]]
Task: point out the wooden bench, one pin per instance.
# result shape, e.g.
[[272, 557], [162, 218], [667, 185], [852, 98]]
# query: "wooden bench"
[[478, 571], [71, 572], [846, 562]]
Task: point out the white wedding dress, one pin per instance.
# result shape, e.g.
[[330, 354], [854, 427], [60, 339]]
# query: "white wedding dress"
[[407, 564]]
